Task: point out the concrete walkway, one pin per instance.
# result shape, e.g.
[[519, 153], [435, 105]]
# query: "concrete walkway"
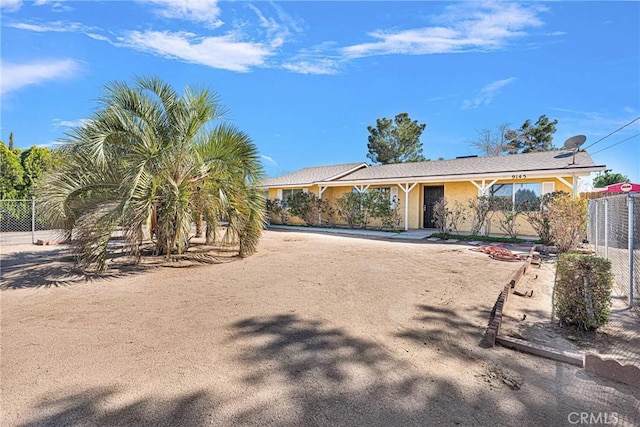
[[414, 234]]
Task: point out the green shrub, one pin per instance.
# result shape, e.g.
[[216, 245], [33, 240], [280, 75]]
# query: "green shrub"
[[568, 220], [310, 208], [582, 295], [481, 209], [376, 204], [276, 213], [358, 209], [508, 222], [350, 209], [537, 214]]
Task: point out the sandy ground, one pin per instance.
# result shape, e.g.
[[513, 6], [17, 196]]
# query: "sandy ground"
[[311, 330]]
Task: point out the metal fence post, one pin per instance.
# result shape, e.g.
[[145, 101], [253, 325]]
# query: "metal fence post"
[[595, 238], [33, 221], [606, 228], [631, 245]]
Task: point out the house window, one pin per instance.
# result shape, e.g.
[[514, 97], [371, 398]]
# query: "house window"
[[287, 194], [385, 191], [501, 191], [527, 193], [521, 194]]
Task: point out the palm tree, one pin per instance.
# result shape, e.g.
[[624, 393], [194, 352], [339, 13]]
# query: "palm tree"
[[152, 156]]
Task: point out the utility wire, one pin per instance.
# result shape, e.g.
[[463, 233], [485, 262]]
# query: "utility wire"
[[615, 131], [613, 145]]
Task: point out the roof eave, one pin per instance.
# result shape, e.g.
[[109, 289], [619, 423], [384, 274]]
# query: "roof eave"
[[345, 173], [579, 171]]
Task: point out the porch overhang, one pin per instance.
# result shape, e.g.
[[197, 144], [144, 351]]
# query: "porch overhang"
[[498, 176]]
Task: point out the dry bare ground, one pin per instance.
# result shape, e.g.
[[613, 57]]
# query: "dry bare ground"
[[311, 330]]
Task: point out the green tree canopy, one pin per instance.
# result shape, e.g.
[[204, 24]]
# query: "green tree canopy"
[[609, 178], [395, 141], [35, 161], [11, 174], [151, 157], [531, 138]]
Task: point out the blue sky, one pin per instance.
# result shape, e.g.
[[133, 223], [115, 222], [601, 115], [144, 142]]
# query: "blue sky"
[[305, 79]]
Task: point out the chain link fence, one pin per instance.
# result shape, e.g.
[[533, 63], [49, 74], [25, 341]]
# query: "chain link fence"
[[22, 222], [614, 232]]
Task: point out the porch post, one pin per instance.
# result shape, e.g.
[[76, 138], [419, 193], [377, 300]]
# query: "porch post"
[[483, 192], [320, 191], [406, 188]]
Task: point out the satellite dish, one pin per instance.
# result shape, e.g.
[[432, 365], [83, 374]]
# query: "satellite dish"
[[575, 142]]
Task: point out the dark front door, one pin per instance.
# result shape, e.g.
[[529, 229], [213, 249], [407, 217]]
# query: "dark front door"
[[431, 195]]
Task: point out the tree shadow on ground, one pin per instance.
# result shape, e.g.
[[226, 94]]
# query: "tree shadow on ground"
[[334, 378], [298, 372], [56, 267], [434, 330], [92, 408]]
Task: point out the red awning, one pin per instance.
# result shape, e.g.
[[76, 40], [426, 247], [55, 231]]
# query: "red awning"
[[624, 187]]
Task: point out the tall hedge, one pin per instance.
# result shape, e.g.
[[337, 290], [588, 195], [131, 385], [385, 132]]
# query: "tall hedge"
[[583, 290]]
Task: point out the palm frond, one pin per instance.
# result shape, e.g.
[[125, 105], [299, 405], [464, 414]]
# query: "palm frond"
[[151, 155]]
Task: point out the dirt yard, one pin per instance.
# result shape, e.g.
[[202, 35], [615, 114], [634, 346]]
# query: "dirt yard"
[[311, 330]]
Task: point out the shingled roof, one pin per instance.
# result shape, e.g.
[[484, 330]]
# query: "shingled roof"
[[309, 176], [530, 162]]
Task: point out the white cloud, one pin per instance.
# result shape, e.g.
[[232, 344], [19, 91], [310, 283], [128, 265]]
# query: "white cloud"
[[315, 60], [15, 5], [17, 76], [203, 11], [317, 66], [10, 5], [51, 27], [464, 27], [68, 123], [277, 30], [224, 52], [99, 37], [486, 94], [268, 160]]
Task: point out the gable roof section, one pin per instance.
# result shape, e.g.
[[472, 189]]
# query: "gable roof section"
[[309, 176], [551, 161]]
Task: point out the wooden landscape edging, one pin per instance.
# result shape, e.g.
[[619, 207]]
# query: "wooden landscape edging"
[[493, 329], [603, 367]]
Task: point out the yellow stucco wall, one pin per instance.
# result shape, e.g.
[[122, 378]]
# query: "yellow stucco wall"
[[462, 192]]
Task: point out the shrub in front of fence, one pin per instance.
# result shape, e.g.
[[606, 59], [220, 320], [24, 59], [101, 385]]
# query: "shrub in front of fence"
[[568, 220], [583, 290]]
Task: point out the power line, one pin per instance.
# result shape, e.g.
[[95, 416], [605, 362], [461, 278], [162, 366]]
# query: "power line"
[[613, 145], [615, 131]]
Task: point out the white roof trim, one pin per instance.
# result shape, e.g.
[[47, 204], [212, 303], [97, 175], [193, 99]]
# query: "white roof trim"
[[466, 177], [340, 175]]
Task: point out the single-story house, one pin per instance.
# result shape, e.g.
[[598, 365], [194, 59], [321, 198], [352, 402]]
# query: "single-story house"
[[417, 186]]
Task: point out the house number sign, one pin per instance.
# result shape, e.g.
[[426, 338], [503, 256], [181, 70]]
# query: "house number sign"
[[520, 176]]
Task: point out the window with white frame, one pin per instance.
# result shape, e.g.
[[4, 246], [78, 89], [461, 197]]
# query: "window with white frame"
[[285, 195], [385, 191], [522, 194]]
